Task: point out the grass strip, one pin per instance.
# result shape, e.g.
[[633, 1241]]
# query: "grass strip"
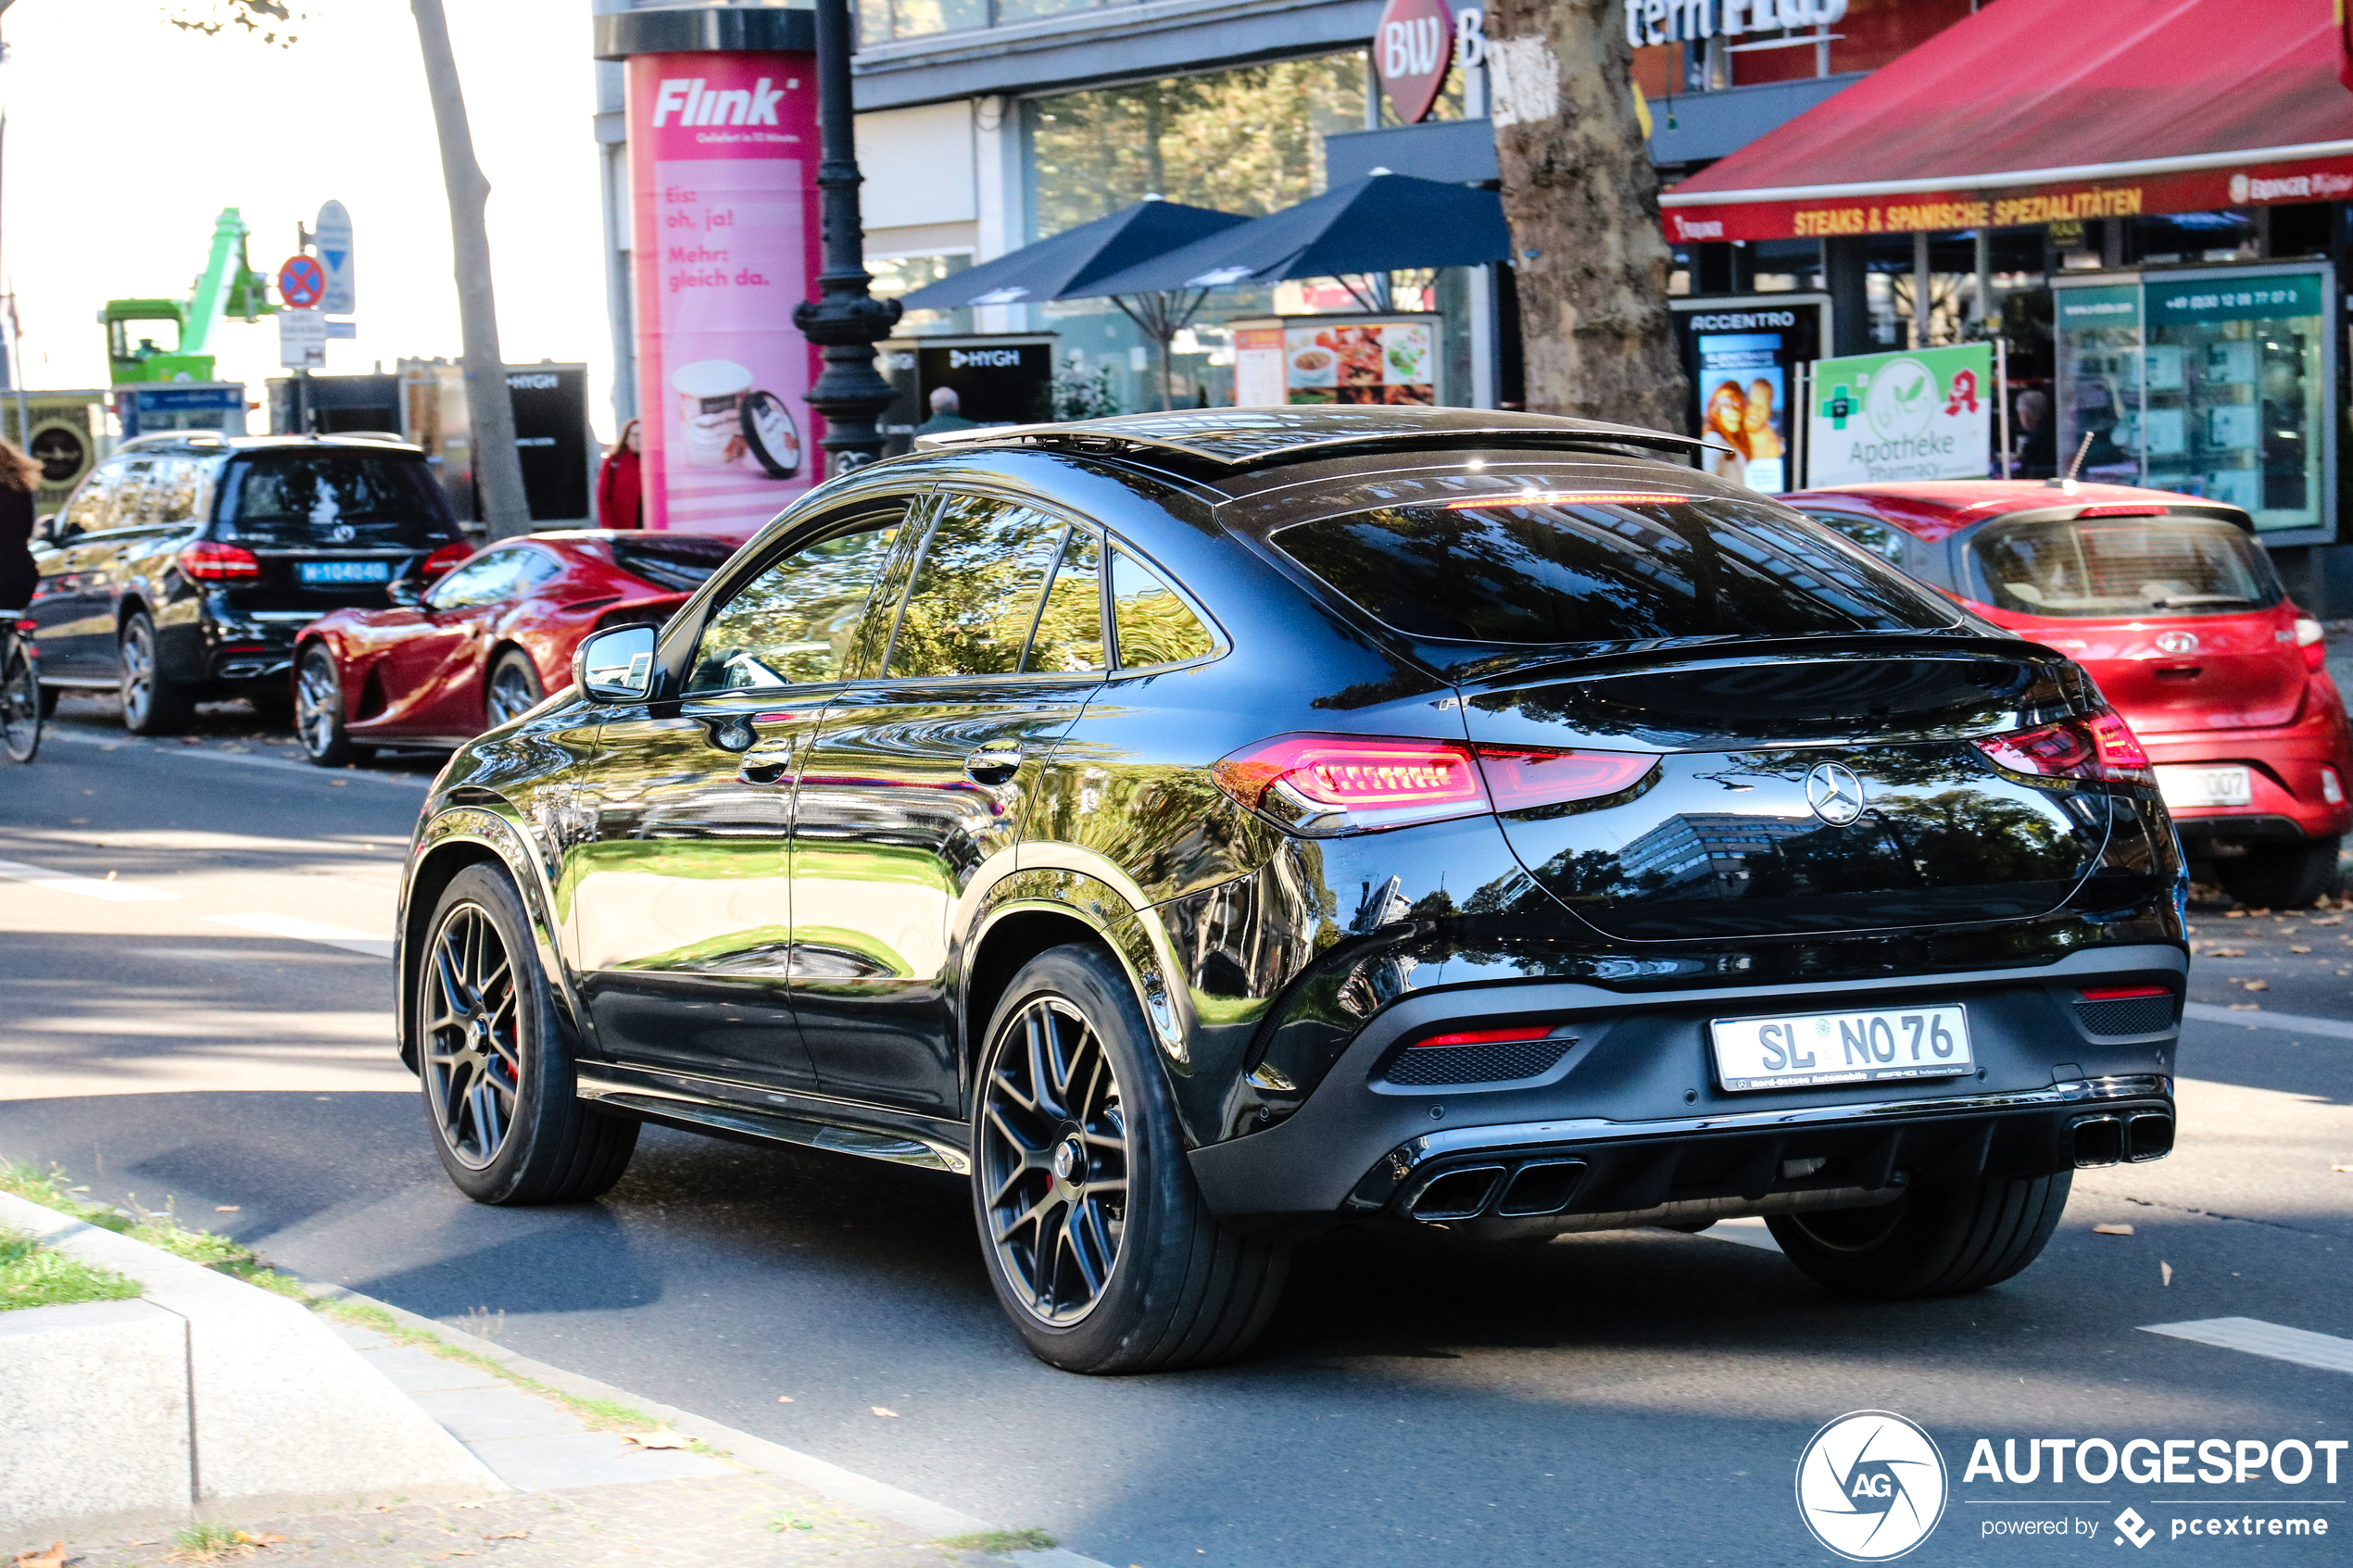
[[34, 1275], [997, 1543]]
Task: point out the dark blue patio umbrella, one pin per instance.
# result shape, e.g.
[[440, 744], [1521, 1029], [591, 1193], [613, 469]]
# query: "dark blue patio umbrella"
[[1067, 267], [1371, 227]]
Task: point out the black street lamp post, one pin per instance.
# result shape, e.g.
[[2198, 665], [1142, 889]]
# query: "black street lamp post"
[[844, 320]]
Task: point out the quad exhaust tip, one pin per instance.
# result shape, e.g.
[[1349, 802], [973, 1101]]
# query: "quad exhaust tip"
[[2136, 1139], [1527, 1190]]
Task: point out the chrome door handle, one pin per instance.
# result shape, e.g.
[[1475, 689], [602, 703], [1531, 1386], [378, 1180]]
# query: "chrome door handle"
[[766, 769], [993, 764]]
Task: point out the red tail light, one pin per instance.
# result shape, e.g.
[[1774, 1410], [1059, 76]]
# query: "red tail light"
[[2125, 993], [445, 559], [209, 562], [1325, 784], [2096, 745], [1485, 1036]]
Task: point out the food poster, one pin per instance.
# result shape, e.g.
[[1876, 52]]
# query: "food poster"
[[723, 156], [1359, 360]]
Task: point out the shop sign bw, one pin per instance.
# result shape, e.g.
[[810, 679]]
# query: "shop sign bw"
[[1882, 417]]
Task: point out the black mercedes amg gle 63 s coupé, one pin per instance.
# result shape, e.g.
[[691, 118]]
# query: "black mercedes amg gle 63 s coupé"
[[1195, 829]]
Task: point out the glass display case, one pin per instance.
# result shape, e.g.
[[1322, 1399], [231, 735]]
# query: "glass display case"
[[2209, 382]]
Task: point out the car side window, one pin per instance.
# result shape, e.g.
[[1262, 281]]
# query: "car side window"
[[1069, 635], [93, 504], [794, 622], [489, 577], [133, 497], [1154, 624], [1883, 540], [178, 490], [976, 590]]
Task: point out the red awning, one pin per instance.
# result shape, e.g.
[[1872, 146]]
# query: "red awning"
[[2032, 110]]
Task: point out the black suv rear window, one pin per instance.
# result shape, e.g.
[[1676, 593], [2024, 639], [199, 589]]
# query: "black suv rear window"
[[1581, 570], [325, 497], [679, 563]]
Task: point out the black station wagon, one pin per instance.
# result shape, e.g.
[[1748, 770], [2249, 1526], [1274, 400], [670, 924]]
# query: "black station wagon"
[[1199, 829]]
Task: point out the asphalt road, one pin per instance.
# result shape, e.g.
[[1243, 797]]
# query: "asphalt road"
[[1628, 1398]]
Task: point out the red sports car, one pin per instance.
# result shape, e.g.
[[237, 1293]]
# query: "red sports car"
[[2173, 607], [487, 640]]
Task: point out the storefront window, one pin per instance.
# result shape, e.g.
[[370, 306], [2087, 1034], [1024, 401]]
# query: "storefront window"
[[896, 275], [2212, 383], [1248, 140]]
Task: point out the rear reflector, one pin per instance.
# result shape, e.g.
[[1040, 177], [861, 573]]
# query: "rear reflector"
[[1483, 1036], [209, 562], [2096, 745], [2120, 992], [1321, 785]]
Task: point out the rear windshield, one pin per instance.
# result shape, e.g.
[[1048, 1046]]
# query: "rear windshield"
[[1599, 573], [679, 563], [2086, 567], [328, 497]]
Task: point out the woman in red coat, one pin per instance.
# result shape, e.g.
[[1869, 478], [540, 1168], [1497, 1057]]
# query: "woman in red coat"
[[620, 492]]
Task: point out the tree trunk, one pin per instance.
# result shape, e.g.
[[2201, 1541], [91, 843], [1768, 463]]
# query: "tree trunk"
[[497, 468], [1582, 201]]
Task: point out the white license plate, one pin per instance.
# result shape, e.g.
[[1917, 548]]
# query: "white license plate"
[[317, 571], [2189, 787], [1792, 1051]]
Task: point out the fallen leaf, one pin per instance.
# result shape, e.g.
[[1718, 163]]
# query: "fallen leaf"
[[224, 1209], [2299, 950], [2347, 1168], [465, 1505], [2246, 1006], [2166, 1269], [2224, 953], [191, 740], [508, 1536], [659, 1437], [784, 1398], [338, 783], [264, 1539], [2104, 1228], [2234, 914], [53, 1558], [2259, 985], [110, 876], [879, 1409], [2259, 911]]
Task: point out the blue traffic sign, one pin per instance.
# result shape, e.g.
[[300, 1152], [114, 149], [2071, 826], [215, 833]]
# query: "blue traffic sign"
[[301, 283]]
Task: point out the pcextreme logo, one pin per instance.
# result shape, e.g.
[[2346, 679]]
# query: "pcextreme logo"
[[1871, 1486]]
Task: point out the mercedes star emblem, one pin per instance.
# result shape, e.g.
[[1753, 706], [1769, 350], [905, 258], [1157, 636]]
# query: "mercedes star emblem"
[[1835, 793]]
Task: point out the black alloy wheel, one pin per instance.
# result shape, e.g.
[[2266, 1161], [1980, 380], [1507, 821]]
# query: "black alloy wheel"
[[1096, 1239], [1935, 1240], [318, 710], [22, 703], [514, 689], [1054, 1160], [151, 705], [498, 1081]]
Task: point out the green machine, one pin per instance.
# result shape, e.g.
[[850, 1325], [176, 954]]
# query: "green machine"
[[227, 287]]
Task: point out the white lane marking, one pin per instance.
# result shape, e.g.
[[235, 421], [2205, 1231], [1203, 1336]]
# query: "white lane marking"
[[2207, 1012], [2260, 1338], [88, 887], [308, 931], [1751, 1231], [132, 743]]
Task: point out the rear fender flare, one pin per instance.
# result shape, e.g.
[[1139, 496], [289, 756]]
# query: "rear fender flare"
[[1125, 924], [451, 838]]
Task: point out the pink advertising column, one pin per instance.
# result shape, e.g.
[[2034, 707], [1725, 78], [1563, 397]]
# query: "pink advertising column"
[[722, 156]]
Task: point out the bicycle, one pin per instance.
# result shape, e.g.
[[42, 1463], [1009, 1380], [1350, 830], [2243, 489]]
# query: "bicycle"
[[19, 688]]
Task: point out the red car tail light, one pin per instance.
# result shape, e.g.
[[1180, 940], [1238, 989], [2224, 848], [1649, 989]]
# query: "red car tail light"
[[1522, 778], [2309, 635], [208, 561], [1324, 784], [2096, 745], [2125, 993], [445, 559]]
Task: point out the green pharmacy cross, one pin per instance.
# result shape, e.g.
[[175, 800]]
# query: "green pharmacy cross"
[[1839, 407]]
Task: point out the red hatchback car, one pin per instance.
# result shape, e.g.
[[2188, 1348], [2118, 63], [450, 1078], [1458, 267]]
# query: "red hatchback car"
[[486, 641], [2175, 608]]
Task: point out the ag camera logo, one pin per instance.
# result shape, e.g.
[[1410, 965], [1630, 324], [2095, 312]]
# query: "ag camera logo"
[[1871, 1486]]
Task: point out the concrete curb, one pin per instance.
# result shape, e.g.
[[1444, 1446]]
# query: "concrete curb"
[[870, 1495], [203, 1394]]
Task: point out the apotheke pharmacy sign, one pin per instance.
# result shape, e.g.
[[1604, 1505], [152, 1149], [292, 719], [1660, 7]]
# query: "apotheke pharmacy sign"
[[1878, 418]]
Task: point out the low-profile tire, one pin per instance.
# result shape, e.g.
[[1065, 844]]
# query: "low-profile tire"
[[152, 705], [512, 690], [2281, 876], [1097, 1240], [1937, 1240], [49, 696], [499, 1088], [318, 712]]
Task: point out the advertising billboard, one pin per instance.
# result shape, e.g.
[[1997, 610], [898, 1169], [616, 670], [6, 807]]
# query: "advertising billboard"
[[1740, 358], [65, 428], [1880, 419], [723, 149], [1390, 360]]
